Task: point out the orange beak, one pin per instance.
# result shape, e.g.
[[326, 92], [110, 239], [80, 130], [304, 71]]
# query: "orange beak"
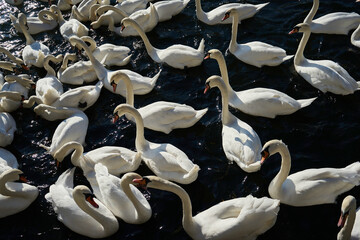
[[208, 55], [295, 30], [264, 157], [342, 220], [115, 118], [25, 67], [90, 199], [122, 28], [207, 87], [23, 179], [140, 183], [114, 85]]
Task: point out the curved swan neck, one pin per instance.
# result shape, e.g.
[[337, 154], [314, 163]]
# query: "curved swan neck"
[[129, 87], [279, 179], [31, 101], [299, 55], [48, 68], [11, 56], [29, 39], [148, 46], [75, 157], [224, 100], [349, 224], [308, 19], [8, 177], [199, 11], [42, 17], [223, 69], [90, 41], [234, 29]]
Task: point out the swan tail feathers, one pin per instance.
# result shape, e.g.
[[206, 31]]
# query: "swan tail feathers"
[[185, 2], [45, 147], [358, 83], [201, 113], [287, 57], [126, 60], [353, 171], [156, 77], [306, 102], [260, 6], [191, 175], [201, 45], [66, 178]]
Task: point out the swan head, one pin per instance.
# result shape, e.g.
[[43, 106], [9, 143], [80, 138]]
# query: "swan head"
[[125, 22], [121, 109], [86, 193], [270, 148], [229, 13], [213, 81], [153, 182], [348, 204], [301, 27], [117, 77], [13, 175]]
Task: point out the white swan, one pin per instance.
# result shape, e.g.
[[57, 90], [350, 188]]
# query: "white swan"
[[34, 52], [83, 11], [325, 75], [109, 54], [254, 53], [7, 160], [245, 10], [177, 56], [45, 21], [311, 186], [146, 18], [262, 102], [164, 159], [71, 27], [166, 9], [116, 159], [123, 199], [15, 197], [161, 115], [78, 73], [332, 23], [78, 210], [355, 37], [72, 128], [15, 2], [65, 5], [239, 218], [349, 220], [8, 65], [7, 129], [240, 142]]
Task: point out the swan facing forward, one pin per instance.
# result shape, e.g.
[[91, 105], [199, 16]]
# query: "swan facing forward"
[[239, 218], [311, 186], [349, 220], [325, 75], [177, 56]]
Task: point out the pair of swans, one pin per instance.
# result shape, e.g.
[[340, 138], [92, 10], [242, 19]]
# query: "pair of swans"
[[254, 53], [116, 159], [161, 115], [164, 159], [177, 56], [15, 196], [311, 186], [349, 220], [241, 144], [325, 75], [262, 102], [238, 218], [34, 51], [245, 10], [45, 21], [78, 210], [72, 128], [7, 129]]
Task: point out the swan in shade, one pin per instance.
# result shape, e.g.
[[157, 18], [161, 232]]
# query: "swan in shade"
[[146, 18], [164, 159], [166, 9], [325, 75], [240, 142], [311, 186], [7, 160], [7, 129], [121, 197], [14, 90], [72, 128], [109, 54], [65, 5], [46, 21], [245, 10], [71, 27], [78, 210], [238, 218], [349, 220], [332, 23], [254, 53], [355, 37], [83, 11], [14, 2], [34, 52], [116, 159], [78, 73], [262, 102], [176, 56], [16, 61], [15, 196], [161, 115]]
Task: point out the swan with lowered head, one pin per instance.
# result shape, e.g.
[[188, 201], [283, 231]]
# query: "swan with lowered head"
[[332, 23], [8, 65], [176, 56], [72, 128], [14, 196], [34, 52], [355, 37], [349, 220], [262, 102], [83, 12], [240, 142], [239, 218], [46, 21], [116, 159], [78, 210], [166, 9], [7, 160], [311, 186], [108, 54], [123, 199], [7, 129], [325, 75], [164, 159], [161, 115], [245, 10], [254, 53]]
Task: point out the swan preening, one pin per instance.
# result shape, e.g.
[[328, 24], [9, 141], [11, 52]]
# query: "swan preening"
[[349, 220], [311, 186], [238, 218]]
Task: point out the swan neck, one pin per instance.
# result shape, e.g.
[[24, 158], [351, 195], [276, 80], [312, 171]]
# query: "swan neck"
[[140, 142], [77, 154], [279, 179], [299, 55], [144, 37], [225, 114], [42, 17], [234, 30], [7, 192], [31, 101], [29, 39], [308, 19], [223, 70], [49, 69], [199, 10], [349, 224]]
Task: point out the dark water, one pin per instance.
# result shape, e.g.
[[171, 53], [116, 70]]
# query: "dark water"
[[325, 134]]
